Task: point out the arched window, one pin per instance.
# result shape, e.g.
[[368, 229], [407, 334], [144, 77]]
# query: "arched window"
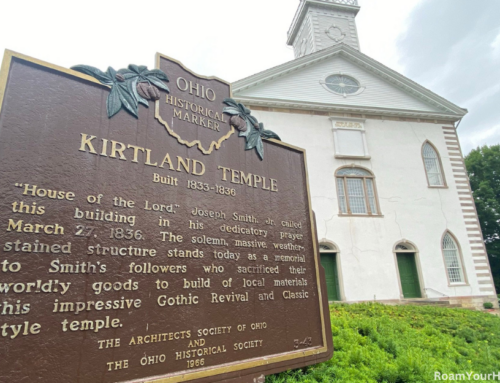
[[452, 259], [356, 191], [433, 167], [327, 248], [404, 247]]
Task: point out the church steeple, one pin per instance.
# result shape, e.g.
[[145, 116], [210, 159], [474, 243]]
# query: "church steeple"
[[320, 24]]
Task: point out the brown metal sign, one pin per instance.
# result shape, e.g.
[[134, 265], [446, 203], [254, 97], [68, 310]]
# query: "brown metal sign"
[[140, 241]]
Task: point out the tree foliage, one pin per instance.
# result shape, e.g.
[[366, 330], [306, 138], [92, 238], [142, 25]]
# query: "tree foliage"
[[483, 167]]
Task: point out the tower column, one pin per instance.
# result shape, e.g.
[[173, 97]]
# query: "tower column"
[[320, 24]]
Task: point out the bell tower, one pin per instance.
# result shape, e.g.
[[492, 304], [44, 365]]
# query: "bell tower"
[[320, 24]]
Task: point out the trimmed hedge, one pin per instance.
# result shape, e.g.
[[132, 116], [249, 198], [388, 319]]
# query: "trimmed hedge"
[[379, 343]]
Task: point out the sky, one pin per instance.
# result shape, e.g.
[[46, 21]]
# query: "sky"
[[451, 47]]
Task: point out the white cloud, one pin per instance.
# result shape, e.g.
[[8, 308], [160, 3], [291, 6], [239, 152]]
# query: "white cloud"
[[227, 38], [380, 24], [482, 135], [495, 45], [476, 99]]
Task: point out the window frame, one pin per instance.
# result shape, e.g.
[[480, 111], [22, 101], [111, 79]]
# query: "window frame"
[[345, 95], [460, 258], [334, 249], [365, 191], [349, 124], [441, 169], [413, 250]]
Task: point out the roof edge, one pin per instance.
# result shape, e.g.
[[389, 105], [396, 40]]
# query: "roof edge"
[[301, 105], [355, 56]]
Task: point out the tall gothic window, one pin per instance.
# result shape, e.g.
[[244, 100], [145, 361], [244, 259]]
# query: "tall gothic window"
[[356, 192], [452, 260], [433, 167]]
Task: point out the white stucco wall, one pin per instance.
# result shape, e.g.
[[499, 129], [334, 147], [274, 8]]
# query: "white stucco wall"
[[411, 210]]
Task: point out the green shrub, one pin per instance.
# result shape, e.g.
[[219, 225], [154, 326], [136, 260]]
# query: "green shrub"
[[488, 305], [403, 344]]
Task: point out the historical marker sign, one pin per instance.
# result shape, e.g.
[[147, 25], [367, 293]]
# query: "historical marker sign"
[[140, 241], [192, 111]]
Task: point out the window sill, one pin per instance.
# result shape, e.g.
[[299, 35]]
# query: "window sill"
[[437, 187], [353, 157], [362, 215], [461, 284]]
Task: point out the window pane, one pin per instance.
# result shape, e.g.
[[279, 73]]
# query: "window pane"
[[452, 260], [371, 195], [429, 151], [342, 84], [432, 166], [433, 171], [353, 172], [341, 194], [356, 194]]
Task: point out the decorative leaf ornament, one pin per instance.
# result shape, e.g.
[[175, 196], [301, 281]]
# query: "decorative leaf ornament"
[[248, 126], [136, 85], [129, 87]]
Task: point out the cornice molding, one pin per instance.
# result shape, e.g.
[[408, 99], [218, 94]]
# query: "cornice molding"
[[285, 68], [362, 60], [329, 108]]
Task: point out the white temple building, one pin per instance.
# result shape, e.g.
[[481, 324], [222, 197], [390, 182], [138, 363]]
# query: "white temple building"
[[394, 209]]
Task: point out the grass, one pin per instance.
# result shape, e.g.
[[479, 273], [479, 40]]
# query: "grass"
[[378, 343]]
